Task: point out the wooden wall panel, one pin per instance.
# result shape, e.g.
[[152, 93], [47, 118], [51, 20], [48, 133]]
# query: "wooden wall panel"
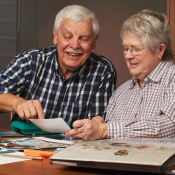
[[171, 18]]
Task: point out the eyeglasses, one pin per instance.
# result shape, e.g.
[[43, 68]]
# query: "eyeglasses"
[[133, 51]]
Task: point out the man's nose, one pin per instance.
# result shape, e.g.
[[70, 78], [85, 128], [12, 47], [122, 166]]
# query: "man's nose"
[[75, 43]]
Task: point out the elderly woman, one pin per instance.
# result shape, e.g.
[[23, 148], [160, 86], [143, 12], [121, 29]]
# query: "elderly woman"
[[144, 106]]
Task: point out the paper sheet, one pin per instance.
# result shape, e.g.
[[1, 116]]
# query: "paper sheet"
[[6, 160], [55, 125], [69, 142]]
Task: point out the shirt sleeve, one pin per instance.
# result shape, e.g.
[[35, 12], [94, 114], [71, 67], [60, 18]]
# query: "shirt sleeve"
[[13, 77], [115, 128], [103, 93], [162, 126]]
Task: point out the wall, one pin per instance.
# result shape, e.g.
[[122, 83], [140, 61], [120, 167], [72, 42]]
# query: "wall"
[[111, 14], [171, 17], [8, 38], [28, 36], [38, 18], [8, 30]]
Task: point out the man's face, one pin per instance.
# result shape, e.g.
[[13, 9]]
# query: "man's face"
[[74, 41]]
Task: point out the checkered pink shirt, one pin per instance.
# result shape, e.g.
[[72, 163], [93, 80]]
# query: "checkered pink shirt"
[[146, 112]]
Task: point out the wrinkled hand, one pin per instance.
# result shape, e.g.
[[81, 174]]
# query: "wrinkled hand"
[[87, 129], [29, 109]]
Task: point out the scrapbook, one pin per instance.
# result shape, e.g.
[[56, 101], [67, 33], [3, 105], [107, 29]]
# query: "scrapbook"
[[156, 156]]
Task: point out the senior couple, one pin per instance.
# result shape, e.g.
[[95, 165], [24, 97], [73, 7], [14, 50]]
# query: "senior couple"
[[68, 80]]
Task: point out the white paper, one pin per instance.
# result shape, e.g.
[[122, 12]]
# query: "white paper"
[[6, 160], [55, 125], [69, 142]]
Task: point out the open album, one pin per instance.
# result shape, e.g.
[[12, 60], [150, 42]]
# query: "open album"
[[157, 156]]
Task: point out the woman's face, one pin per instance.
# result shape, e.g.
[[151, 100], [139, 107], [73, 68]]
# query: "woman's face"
[[141, 60]]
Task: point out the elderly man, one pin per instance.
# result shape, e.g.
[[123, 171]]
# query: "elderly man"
[[65, 80]]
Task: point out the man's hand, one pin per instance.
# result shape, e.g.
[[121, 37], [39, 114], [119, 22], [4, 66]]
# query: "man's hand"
[[29, 109], [87, 129]]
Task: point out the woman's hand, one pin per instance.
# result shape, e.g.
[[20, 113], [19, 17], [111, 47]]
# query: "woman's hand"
[[89, 129]]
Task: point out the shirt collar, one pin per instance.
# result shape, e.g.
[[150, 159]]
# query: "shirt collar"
[[159, 71], [155, 75], [77, 72]]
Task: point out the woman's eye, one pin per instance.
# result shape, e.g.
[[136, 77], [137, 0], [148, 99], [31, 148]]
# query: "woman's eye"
[[125, 49], [136, 49]]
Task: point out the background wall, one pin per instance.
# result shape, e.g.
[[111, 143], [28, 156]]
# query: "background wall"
[[36, 18], [37, 32]]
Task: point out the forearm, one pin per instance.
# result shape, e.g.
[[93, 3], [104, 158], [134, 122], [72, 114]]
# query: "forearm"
[[161, 126], [24, 108], [157, 127], [8, 102], [104, 131], [101, 128]]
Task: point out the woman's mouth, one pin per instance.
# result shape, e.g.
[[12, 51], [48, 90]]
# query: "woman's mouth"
[[132, 65]]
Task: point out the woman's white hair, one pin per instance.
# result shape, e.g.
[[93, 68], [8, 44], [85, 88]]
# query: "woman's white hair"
[[152, 28], [77, 13]]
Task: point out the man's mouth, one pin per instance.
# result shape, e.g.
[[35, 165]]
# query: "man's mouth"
[[73, 54]]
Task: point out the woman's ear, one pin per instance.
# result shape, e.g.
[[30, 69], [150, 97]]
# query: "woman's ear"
[[162, 48]]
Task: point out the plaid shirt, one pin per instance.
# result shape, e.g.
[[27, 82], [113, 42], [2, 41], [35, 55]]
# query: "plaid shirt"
[[144, 112], [35, 74]]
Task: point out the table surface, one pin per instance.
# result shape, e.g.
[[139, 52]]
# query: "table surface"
[[44, 167]]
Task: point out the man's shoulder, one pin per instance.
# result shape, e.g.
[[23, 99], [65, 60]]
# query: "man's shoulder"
[[36, 54], [37, 51], [100, 59]]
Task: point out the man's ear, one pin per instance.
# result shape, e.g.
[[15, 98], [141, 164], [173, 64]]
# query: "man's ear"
[[54, 36], [95, 40]]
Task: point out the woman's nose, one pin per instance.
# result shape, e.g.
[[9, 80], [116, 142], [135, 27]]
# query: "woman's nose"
[[129, 54]]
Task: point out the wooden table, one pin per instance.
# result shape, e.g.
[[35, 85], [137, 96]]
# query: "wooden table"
[[43, 167], [32, 167]]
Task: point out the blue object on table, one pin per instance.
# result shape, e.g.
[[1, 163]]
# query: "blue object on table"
[[6, 151]]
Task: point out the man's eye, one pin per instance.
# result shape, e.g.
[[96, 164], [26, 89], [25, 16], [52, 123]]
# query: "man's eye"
[[67, 36], [84, 38]]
